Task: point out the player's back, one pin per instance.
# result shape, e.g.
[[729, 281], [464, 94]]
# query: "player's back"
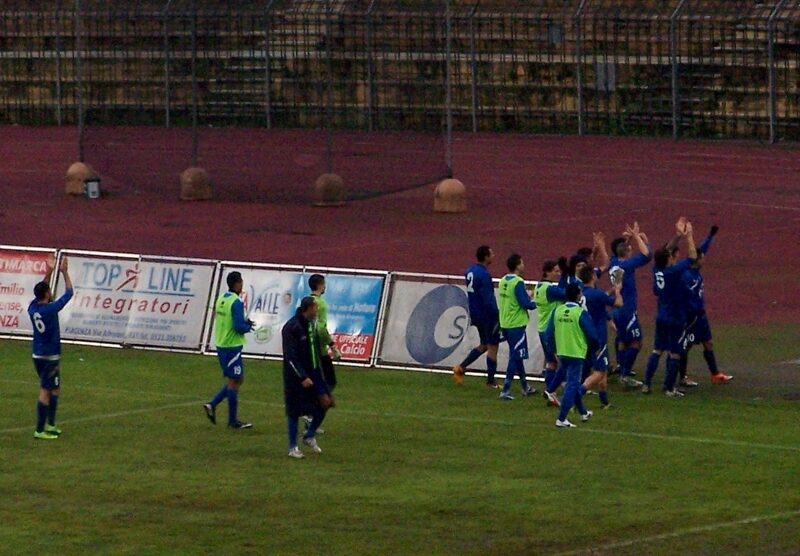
[[46, 329], [480, 293], [596, 301], [629, 266], [672, 292], [695, 286]]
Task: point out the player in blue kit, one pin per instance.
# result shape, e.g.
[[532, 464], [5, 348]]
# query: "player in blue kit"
[[672, 293], [230, 326], [626, 318], [484, 315], [596, 301], [43, 312], [698, 329]]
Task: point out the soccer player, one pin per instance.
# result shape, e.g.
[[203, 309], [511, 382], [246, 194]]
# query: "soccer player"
[[698, 330], [571, 334], [671, 291], [548, 295], [230, 326], [514, 306], [304, 388], [483, 315], [596, 301], [327, 346], [43, 312], [626, 318]]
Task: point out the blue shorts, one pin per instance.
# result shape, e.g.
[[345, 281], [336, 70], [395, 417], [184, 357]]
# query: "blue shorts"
[[320, 387], [231, 362], [669, 337], [549, 356], [600, 359], [628, 327], [49, 373], [517, 343], [697, 331], [489, 332]]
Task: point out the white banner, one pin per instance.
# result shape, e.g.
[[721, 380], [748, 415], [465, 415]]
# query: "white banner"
[[271, 297], [427, 325], [125, 300], [20, 271]]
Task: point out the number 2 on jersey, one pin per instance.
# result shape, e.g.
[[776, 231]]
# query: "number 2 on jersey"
[[470, 280]]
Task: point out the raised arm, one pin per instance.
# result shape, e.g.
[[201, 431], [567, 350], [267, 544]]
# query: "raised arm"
[[690, 248], [51, 266], [706, 245], [641, 240], [680, 231], [600, 252], [64, 268]]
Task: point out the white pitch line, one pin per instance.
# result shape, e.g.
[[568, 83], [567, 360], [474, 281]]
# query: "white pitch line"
[[680, 533], [110, 415], [400, 415]]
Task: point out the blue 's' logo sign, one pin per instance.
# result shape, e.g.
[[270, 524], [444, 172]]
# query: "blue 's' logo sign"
[[437, 325]]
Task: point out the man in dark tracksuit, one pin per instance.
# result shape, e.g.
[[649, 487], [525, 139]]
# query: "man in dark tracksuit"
[[305, 391]]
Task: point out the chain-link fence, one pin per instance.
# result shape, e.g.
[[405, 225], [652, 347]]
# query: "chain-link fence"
[[159, 85]]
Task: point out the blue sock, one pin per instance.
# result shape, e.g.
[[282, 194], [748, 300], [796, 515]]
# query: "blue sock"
[[221, 395], [558, 380], [233, 404], [711, 360], [579, 404], [41, 416], [549, 374], [491, 369], [521, 374], [673, 368], [317, 417], [622, 359], [652, 367], [471, 357], [567, 401], [509, 376], [51, 409], [630, 359], [292, 432], [603, 397]]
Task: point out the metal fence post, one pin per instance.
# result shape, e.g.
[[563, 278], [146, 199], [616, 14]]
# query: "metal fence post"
[[370, 65], [448, 94], [167, 94], [59, 94], [194, 83], [267, 61], [473, 68], [329, 95], [79, 76], [771, 76], [578, 22], [673, 54]]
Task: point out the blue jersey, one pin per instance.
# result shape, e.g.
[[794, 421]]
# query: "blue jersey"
[[46, 331], [629, 296], [480, 293], [672, 292], [596, 301], [694, 283]]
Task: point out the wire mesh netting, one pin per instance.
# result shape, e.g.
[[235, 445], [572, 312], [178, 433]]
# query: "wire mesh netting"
[[267, 95]]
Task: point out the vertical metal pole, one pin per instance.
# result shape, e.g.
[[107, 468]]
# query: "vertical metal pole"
[[79, 77], [267, 61], [370, 67], [59, 94], [771, 72], [329, 100], [673, 53], [167, 93], [473, 68], [578, 22], [448, 94], [194, 84]]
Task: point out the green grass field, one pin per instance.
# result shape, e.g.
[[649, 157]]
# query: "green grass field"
[[411, 464]]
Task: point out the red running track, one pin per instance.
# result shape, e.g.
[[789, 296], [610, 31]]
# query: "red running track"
[[539, 195]]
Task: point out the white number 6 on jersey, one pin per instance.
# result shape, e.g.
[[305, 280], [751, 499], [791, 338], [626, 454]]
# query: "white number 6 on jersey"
[[38, 322]]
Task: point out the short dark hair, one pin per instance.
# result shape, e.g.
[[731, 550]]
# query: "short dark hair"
[[315, 281], [512, 262], [233, 279], [573, 292], [661, 256], [307, 302], [585, 252], [40, 290], [482, 253], [573, 263], [585, 274], [615, 246], [548, 267]]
